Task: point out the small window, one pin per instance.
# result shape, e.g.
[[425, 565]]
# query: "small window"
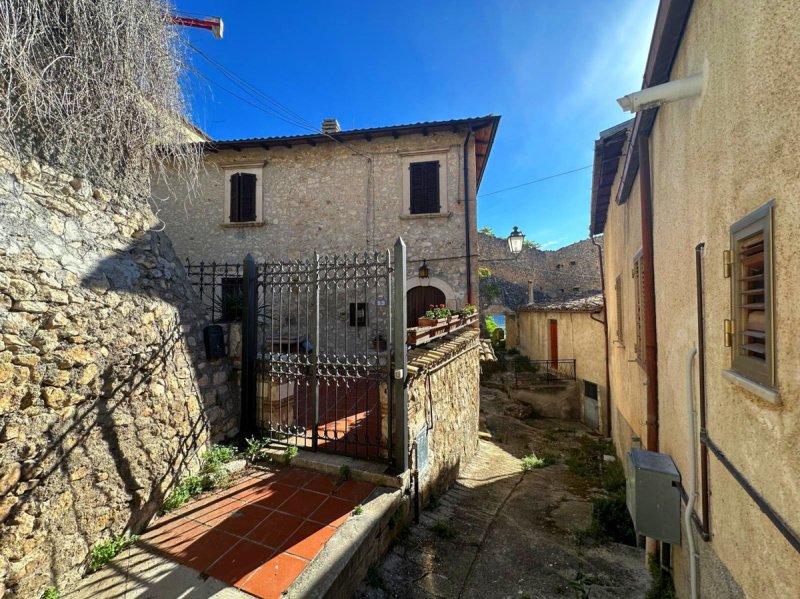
[[619, 310], [752, 297], [638, 285], [358, 314], [558, 267], [424, 187], [231, 299], [590, 389], [242, 198], [576, 289]]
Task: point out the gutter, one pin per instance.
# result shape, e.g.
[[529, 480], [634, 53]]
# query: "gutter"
[[650, 339], [468, 241], [701, 371], [605, 333]]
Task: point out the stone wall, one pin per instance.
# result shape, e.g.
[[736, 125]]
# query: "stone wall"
[[443, 404], [331, 199], [105, 395], [573, 270]]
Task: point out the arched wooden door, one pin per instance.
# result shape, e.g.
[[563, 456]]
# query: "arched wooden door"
[[419, 299]]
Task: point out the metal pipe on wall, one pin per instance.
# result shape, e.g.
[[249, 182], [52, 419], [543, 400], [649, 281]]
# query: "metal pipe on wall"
[[605, 332], [701, 372], [650, 341], [466, 217], [687, 514]]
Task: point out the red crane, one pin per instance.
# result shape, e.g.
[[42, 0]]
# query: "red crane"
[[212, 24]]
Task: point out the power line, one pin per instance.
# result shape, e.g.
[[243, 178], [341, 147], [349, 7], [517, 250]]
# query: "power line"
[[575, 170]]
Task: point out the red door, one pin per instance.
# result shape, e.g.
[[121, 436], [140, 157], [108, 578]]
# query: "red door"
[[553, 343]]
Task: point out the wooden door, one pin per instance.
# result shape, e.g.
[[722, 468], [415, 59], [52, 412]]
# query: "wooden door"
[[419, 299], [553, 343]]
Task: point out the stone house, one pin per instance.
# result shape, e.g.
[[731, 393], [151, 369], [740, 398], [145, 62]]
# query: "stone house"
[[283, 198], [557, 332], [697, 202]]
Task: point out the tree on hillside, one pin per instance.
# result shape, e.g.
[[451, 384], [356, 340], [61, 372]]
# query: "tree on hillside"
[[487, 231], [531, 245]]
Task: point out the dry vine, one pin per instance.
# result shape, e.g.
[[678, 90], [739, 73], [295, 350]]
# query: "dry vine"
[[94, 87]]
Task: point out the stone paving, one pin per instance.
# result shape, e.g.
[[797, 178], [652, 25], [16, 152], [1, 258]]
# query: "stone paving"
[[499, 532]]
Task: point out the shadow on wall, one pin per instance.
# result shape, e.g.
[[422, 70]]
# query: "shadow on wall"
[[105, 394]]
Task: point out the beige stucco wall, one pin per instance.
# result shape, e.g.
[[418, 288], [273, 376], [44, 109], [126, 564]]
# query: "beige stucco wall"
[[715, 159], [579, 337], [328, 198]]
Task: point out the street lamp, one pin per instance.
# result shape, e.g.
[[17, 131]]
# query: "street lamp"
[[515, 241], [424, 271]]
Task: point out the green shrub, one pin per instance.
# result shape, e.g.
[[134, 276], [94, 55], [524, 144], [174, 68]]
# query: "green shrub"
[[51, 593], [289, 454], [344, 472], [105, 551], [358, 510], [611, 520], [220, 454], [662, 586], [254, 448]]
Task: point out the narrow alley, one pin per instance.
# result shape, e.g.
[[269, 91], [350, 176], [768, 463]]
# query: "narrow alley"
[[503, 532]]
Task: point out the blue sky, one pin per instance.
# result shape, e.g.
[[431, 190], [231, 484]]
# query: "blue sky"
[[552, 70]]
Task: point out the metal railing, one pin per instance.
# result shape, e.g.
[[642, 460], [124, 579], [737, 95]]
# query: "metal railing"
[[545, 371], [219, 287]]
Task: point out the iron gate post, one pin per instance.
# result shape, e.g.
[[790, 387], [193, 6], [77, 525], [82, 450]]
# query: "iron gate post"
[[315, 354], [400, 356], [249, 349]]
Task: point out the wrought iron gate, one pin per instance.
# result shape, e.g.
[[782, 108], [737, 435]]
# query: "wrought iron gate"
[[320, 352]]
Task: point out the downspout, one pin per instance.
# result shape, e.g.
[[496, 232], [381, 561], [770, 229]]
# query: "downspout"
[[701, 372], [605, 332], [650, 341], [466, 218]]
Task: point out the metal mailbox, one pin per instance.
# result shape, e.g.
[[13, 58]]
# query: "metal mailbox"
[[653, 495]]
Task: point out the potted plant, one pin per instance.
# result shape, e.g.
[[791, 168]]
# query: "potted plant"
[[469, 313], [435, 316]]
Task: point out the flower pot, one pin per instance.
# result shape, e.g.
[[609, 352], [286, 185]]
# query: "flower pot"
[[416, 336], [431, 322]]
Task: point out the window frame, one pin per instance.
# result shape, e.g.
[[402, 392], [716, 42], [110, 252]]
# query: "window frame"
[[619, 311], [758, 222], [638, 289], [407, 160], [250, 169], [355, 319]]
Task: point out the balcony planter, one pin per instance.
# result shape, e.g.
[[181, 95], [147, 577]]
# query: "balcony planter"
[[471, 319], [455, 322], [417, 335], [431, 322]]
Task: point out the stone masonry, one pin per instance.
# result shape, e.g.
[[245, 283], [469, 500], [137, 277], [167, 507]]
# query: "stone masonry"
[[443, 407], [331, 199], [571, 271], [105, 395]]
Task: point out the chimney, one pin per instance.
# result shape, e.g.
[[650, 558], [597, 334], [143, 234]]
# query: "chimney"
[[330, 126], [530, 292]]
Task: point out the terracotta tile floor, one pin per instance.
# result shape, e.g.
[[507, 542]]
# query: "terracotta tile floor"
[[259, 534]]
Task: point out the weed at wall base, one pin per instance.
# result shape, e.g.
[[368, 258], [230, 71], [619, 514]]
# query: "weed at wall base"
[[105, 551]]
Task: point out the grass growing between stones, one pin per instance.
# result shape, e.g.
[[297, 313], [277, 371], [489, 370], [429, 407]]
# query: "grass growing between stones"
[[344, 473], [212, 475], [611, 521], [443, 529], [289, 454], [51, 593], [532, 462], [105, 551]]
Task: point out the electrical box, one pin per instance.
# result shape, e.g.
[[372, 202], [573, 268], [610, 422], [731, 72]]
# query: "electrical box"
[[653, 495]]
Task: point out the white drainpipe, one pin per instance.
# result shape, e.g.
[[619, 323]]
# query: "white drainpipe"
[[687, 515], [661, 94]]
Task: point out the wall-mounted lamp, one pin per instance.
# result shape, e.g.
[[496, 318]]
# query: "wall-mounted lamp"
[[424, 271], [515, 241]]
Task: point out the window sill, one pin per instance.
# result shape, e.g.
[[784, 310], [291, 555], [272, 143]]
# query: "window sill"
[[431, 215], [239, 225], [757, 389]]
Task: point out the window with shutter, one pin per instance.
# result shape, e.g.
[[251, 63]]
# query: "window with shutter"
[[638, 285], [424, 187], [752, 297], [243, 197]]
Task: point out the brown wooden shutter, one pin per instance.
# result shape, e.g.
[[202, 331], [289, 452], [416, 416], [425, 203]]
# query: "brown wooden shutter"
[[235, 214], [424, 187], [247, 197]]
